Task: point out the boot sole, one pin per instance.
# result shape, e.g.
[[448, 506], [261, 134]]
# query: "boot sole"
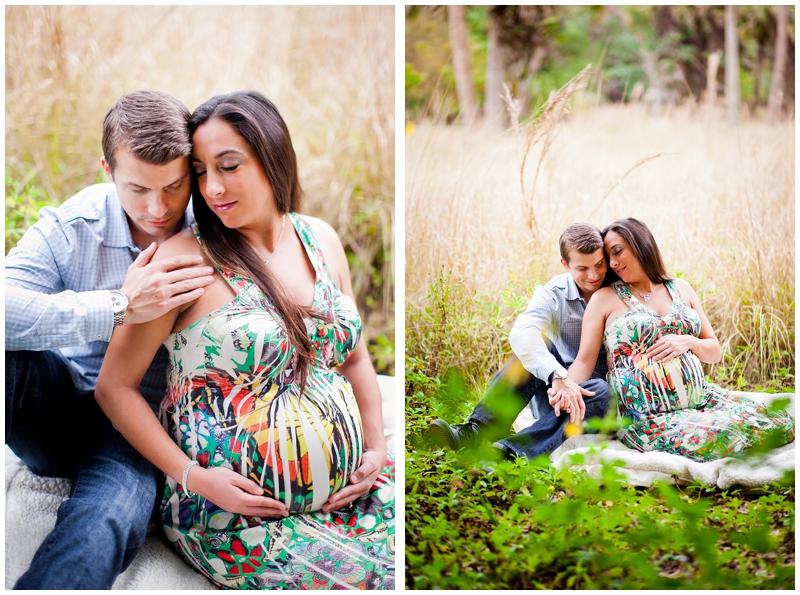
[[440, 434]]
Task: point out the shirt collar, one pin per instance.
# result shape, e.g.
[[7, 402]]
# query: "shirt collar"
[[117, 232], [572, 288]]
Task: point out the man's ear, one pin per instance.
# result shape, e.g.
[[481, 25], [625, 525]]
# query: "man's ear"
[[565, 263], [106, 168]]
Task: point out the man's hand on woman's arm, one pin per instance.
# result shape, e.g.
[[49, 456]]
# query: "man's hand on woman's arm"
[[155, 288]]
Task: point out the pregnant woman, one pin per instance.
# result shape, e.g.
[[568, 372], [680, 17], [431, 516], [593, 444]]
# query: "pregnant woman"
[[656, 335], [274, 452]]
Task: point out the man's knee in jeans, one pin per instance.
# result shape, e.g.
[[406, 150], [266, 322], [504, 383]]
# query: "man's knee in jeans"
[[118, 510], [598, 404]]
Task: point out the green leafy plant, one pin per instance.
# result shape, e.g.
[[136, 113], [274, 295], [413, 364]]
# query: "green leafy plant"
[[526, 525], [23, 201]]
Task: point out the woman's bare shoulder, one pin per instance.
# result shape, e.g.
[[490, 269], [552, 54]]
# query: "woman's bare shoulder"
[[605, 294], [323, 230], [686, 290], [681, 284], [603, 302], [329, 241], [332, 249], [182, 243]]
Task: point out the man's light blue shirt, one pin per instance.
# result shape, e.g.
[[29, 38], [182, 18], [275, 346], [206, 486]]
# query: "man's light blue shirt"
[[556, 312], [58, 279]]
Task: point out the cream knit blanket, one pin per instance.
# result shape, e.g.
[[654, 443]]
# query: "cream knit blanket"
[[644, 468]]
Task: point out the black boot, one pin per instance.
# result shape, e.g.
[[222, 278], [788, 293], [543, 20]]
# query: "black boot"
[[441, 433]]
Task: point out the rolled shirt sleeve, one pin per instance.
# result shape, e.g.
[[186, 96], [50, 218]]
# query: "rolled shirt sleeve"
[[38, 322], [45, 305], [527, 335]]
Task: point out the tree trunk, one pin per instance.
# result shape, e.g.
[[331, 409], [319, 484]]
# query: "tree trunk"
[[711, 80], [758, 74], [492, 101], [731, 66], [462, 62], [778, 66], [656, 92]]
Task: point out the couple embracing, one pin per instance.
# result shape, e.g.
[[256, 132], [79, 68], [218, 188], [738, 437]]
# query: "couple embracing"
[[233, 319], [615, 328]]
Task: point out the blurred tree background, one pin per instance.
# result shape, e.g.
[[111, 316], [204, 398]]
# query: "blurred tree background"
[[330, 71], [663, 56]]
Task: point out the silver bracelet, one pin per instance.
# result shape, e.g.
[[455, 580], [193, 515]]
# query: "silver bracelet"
[[189, 465]]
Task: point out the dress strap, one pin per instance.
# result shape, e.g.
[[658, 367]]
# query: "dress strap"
[[625, 295], [673, 290], [236, 281], [309, 240]]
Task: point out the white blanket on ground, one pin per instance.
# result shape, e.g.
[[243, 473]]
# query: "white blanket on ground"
[[644, 468], [32, 502]]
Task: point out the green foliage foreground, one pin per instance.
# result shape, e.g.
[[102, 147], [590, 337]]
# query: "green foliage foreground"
[[520, 525], [527, 525]]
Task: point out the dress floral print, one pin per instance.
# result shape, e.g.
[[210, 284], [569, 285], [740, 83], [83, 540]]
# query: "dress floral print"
[[233, 401], [670, 405]]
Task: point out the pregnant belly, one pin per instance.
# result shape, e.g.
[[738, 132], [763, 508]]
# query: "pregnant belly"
[[300, 449], [644, 386]]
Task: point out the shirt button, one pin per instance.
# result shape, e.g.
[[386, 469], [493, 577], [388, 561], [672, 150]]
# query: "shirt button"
[[99, 336]]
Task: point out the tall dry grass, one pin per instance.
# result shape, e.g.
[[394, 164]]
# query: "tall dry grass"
[[330, 71], [719, 200]]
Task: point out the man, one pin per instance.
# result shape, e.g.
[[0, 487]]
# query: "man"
[[545, 340], [82, 270]]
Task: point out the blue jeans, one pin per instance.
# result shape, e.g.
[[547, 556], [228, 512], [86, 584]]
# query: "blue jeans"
[[58, 432], [505, 399]]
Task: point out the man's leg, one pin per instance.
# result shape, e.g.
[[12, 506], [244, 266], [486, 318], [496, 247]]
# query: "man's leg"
[[61, 433], [46, 418], [511, 390], [547, 433], [103, 525]]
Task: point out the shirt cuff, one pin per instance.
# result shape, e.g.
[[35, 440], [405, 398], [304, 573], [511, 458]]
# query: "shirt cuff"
[[548, 372], [100, 314]]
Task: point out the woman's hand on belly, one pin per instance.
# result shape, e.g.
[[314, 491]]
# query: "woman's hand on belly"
[[234, 493], [362, 479], [669, 347]]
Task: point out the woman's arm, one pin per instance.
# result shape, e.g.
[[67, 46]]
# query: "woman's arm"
[[358, 370], [705, 346], [129, 354]]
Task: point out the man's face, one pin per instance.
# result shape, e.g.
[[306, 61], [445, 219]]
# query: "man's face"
[[153, 196], [588, 270]]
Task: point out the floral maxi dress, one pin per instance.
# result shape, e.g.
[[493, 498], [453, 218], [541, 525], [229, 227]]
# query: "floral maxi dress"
[[670, 405], [233, 401]]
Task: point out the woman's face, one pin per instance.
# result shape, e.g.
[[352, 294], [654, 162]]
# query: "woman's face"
[[230, 175], [621, 258]]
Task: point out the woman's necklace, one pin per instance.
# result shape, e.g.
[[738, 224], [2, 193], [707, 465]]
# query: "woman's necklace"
[[644, 296], [280, 237]]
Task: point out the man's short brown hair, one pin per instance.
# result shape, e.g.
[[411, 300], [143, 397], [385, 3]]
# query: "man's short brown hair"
[[583, 237], [152, 125]]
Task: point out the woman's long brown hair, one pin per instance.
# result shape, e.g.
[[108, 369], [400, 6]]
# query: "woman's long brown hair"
[[644, 247], [257, 120]]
